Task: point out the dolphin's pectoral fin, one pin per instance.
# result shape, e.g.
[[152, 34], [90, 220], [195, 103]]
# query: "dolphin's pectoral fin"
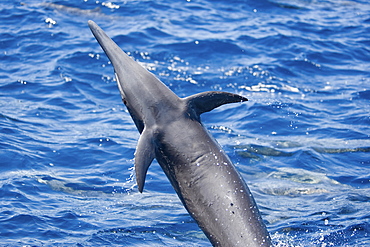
[[144, 155], [207, 101]]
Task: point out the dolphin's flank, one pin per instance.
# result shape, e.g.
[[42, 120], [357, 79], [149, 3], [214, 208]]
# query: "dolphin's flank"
[[204, 178]]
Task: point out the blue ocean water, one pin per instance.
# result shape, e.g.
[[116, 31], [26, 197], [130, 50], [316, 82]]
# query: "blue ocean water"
[[301, 142]]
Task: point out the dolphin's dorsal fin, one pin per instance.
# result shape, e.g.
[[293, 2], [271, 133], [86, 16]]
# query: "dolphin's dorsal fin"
[[144, 155], [207, 101]]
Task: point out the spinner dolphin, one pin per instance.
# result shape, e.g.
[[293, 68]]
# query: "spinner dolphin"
[[204, 178]]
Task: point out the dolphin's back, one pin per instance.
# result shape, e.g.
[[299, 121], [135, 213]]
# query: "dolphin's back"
[[210, 187]]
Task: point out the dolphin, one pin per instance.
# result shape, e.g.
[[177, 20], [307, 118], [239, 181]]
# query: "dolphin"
[[204, 178]]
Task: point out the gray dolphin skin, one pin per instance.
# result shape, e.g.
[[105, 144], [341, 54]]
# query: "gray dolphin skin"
[[204, 178]]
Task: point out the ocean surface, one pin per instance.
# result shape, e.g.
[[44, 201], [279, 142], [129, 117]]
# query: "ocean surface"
[[301, 142]]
